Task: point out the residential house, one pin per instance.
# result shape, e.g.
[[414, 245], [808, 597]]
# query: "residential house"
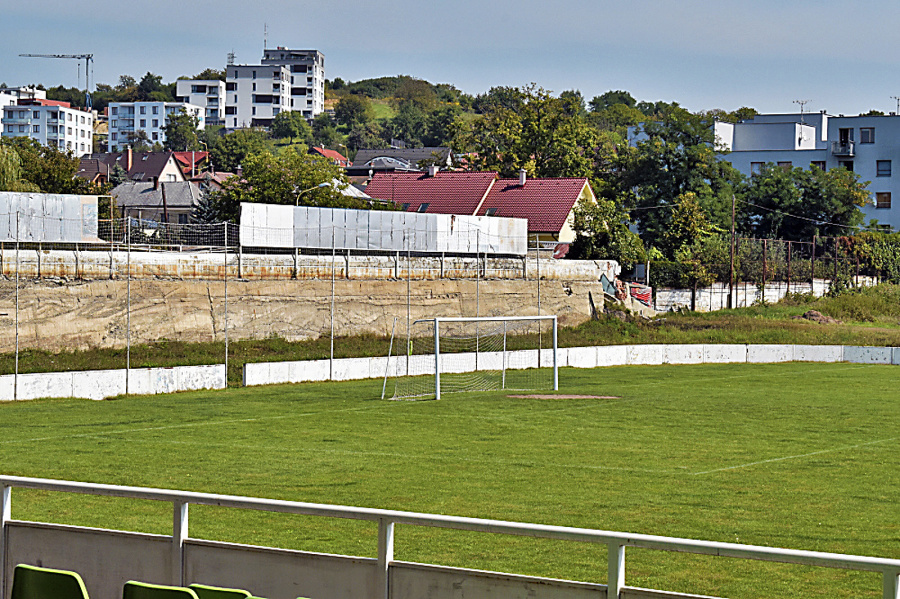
[[866, 145], [547, 203], [138, 166], [286, 80], [208, 94], [157, 201], [191, 163], [128, 119], [51, 123], [334, 156]]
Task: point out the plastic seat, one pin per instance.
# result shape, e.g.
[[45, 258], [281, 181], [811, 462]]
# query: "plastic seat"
[[33, 582], [145, 590], [205, 591]]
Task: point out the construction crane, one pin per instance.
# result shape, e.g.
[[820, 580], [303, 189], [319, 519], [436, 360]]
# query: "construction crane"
[[87, 69]]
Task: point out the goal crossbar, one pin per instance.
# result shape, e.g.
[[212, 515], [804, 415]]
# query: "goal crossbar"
[[501, 326]]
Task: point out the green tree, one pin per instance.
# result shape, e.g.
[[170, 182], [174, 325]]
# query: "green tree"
[[210, 75], [117, 175], [325, 134], [528, 128], [612, 98], [678, 157], [151, 88], [291, 124], [48, 169], [368, 135], [272, 179], [232, 150], [205, 210], [602, 232], [181, 132], [11, 171], [352, 110]]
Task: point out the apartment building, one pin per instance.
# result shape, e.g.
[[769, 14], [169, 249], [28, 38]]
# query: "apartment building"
[[10, 96], [208, 94], [51, 123], [285, 80], [127, 119], [866, 145]]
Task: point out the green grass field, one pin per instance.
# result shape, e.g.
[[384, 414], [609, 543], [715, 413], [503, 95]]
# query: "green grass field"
[[803, 456]]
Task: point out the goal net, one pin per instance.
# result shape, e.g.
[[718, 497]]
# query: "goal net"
[[451, 355]]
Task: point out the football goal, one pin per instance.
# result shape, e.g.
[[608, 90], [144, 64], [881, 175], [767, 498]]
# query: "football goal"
[[450, 355]]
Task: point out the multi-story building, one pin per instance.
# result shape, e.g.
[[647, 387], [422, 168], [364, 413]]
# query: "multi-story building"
[[866, 145], [51, 123], [286, 80], [127, 119], [10, 96], [209, 94]]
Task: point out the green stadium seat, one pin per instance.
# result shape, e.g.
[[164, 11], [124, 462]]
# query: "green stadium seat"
[[204, 591], [32, 582], [145, 590]]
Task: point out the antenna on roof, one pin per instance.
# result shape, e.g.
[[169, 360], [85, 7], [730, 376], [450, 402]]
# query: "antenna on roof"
[[265, 36], [230, 58], [898, 102], [802, 103]]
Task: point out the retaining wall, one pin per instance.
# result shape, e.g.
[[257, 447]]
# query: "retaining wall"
[[268, 373], [746, 294], [100, 384]]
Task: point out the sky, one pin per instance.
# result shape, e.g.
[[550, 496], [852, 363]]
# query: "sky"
[[703, 54]]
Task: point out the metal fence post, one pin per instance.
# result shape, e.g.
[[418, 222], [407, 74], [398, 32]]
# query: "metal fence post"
[[128, 306], [16, 375], [331, 354], [179, 534], [616, 575], [385, 555], [225, 276]]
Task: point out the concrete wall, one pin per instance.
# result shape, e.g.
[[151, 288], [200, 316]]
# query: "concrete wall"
[[746, 294], [100, 384], [263, 373]]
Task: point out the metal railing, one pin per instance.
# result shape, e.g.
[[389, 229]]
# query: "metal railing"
[[616, 542]]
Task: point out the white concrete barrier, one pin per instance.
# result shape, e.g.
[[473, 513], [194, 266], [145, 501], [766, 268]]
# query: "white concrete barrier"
[[612, 355], [582, 357], [682, 354], [867, 355], [818, 353], [769, 354], [644, 354], [100, 384], [724, 354]]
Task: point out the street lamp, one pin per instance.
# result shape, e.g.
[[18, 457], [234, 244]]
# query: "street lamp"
[[310, 189]]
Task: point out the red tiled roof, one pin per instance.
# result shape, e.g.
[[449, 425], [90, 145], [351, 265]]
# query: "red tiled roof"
[[185, 159], [544, 202], [445, 192], [332, 155], [44, 102]]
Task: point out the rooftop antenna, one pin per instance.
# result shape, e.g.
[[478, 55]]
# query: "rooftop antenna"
[[802, 103], [265, 36], [898, 103], [230, 58]]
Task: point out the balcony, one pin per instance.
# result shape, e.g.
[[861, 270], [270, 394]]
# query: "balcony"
[[845, 148]]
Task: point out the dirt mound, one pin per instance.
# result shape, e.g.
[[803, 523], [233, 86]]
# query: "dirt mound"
[[816, 316]]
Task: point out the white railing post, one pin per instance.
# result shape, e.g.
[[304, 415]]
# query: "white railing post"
[[555, 360], [616, 577], [892, 584], [5, 515], [385, 556], [437, 358], [179, 535]]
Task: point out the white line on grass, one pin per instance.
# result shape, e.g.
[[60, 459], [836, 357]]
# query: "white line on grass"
[[793, 457]]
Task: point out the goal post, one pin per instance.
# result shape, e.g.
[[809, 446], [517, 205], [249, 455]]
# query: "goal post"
[[457, 354]]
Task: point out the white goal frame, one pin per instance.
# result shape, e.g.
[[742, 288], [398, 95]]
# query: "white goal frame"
[[436, 328]]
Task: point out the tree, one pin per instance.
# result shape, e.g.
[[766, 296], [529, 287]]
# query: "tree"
[[117, 175], [368, 135], [602, 232], [612, 98], [353, 110], [150, 84], [291, 124], [231, 151], [677, 157], [205, 211], [47, 169], [138, 141], [210, 75], [181, 132], [272, 179], [325, 134], [528, 129], [797, 204], [11, 171]]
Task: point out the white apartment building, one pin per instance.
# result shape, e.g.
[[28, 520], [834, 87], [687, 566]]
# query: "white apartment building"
[[292, 80], [866, 145], [209, 94], [50, 123], [127, 118], [10, 96]]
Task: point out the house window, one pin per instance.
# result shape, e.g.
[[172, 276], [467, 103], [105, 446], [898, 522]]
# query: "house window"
[[847, 164], [21, 128], [170, 178], [883, 168], [114, 135], [115, 123], [156, 110], [423, 207], [114, 110], [35, 128], [883, 199], [182, 219], [819, 164], [69, 130], [155, 136], [756, 167], [785, 165], [156, 122], [143, 122], [491, 212], [143, 110], [35, 114], [867, 135], [10, 128], [254, 74]]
